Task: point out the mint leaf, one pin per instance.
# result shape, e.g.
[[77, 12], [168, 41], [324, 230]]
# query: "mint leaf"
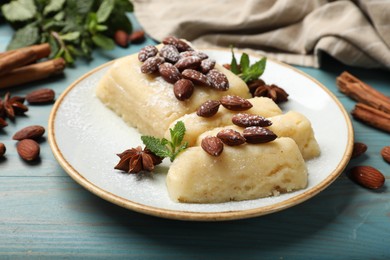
[[105, 10], [155, 145], [71, 36], [244, 62], [23, 37], [53, 6], [254, 71], [19, 10], [103, 42], [233, 64], [165, 148]]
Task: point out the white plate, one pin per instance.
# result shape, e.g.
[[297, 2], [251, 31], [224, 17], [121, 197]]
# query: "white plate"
[[85, 137]]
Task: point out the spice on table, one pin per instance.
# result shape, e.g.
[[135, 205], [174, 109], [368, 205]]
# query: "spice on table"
[[28, 149], [372, 116], [367, 176], [358, 149], [40, 96], [385, 152], [2, 149]]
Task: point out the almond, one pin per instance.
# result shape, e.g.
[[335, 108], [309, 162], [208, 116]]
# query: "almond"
[[212, 145], [385, 152], [367, 176], [40, 96], [169, 72], [200, 54], [246, 120], [183, 89], [191, 62], [218, 80], [179, 44], [121, 38], [151, 65], [170, 53], [147, 52], [207, 65], [257, 135], [28, 149], [358, 149], [196, 77], [137, 36], [235, 103], [231, 137], [29, 132], [208, 108], [2, 149]]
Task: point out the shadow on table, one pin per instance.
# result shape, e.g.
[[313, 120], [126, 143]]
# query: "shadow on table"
[[270, 233]]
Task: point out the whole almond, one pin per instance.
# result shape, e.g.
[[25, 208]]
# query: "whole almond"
[[29, 132], [212, 145], [2, 149], [183, 89], [137, 36], [258, 134], [207, 65], [367, 176], [169, 72], [179, 44], [151, 65], [28, 149], [246, 120], [235, 103], [121, 38], [170, 53], [358, 149], [200, 54], [231, 137], [196, 77], [218, 80], [191, 62], [40, 96], [385, 152], [208, 108], [147, 52]]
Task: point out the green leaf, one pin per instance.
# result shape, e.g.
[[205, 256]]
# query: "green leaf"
[[177, 133], [105, 10], [71, 36], [233, 64], [103, 42], [101, 27], [254, 71], [53, 6], [19, 10], [244, 62], [23, 37], [155, 145], [124, 5]]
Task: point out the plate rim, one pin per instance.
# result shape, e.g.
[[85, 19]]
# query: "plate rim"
[[193, 215]]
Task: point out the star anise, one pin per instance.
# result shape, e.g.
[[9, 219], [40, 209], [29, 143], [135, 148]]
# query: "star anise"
[[12, 106], [274, 92], [135, 160]]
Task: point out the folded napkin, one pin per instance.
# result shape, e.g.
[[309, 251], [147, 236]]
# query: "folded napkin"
[[294, 31]]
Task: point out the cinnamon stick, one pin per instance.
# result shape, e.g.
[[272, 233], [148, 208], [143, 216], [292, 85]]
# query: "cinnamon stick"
[[372, 116], [361, 92], [13, 59], [32, 72]]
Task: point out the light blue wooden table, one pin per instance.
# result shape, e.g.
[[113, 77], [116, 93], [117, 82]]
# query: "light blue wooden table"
[[44, 214]]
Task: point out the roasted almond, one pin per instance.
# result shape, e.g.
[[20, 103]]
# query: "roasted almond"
[[246, 120], [2, 149], [121, 38], [151, 65], [29, 132], [212, 145], [147, 52], [207, 65], [169, 72], [235, 103], [358, 149], [137, 36], [385, 152], [258, 134], [40, 96], [218, 80], [183, 89], [196, 77], [367, 176], [28, 149], [231, 137], [191, 62], [200, 54], [208, 108], [179, 44], [170, 53]]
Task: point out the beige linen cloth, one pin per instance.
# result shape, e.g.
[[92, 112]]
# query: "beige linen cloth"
[[294, 31]]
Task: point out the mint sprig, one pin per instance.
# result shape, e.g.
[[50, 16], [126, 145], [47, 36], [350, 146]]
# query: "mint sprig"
[[167, 148], [246, 71]]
